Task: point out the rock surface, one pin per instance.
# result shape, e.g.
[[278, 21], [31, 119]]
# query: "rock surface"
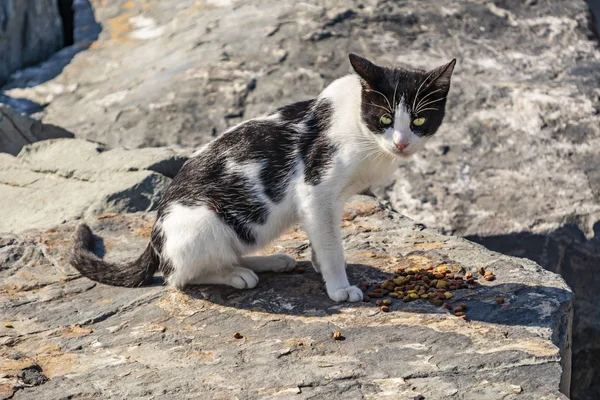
[[93, 340], [513, 167], [30, 31], [18, 130], [54, 181]]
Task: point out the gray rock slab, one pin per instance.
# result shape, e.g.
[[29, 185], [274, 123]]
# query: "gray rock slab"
[[93, 340], [31, 31], [18, 130], [55, 181]]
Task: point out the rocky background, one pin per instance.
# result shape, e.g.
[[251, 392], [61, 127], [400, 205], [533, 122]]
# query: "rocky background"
[[514, 167]]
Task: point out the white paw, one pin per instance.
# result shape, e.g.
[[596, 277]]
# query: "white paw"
[[351, 293], [283, 262], [243, 278]]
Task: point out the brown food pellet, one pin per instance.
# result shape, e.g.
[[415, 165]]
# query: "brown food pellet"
[[337, 336], [459, 313], [237, 335], [460, 308], [385, 308], [433, 284], [463, 317], [500, 300], [489, 277]]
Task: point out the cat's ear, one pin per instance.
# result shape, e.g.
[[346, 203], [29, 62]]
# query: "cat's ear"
[[366, 69], [440, 76]]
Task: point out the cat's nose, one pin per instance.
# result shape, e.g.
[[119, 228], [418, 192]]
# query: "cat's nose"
[[401, 145]]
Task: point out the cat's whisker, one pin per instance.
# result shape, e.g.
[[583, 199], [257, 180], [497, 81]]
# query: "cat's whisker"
[[426, 96], [432, 101], [427, 109], [394, 98], [384, 108], [419, 89], [429, 103], [384, 96]]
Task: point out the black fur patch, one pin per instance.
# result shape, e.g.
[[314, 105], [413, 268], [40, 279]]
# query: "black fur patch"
[[315, 148], [274, 144]]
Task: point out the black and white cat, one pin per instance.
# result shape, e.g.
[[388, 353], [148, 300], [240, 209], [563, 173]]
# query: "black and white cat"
[[299, 164]]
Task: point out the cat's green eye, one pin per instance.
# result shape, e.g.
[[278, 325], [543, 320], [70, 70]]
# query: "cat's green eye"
[[418, 121], [385, 120]]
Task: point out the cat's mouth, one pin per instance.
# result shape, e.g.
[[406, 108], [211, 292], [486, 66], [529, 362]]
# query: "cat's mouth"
[[401, 151]]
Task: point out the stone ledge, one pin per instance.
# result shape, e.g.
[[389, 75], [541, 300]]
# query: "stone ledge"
[[96, 340], [58, 180]]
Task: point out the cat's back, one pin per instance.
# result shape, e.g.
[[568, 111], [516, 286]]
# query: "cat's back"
[[258, 153]]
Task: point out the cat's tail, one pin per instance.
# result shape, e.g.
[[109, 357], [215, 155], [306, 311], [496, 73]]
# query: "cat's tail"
[[133, 274]]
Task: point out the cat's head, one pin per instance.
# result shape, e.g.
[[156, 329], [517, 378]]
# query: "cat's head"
[[402, 108]]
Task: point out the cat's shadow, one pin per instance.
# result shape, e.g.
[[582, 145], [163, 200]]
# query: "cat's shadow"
[[303, 294]]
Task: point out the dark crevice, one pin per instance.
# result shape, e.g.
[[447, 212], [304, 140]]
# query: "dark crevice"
[[79, 28], [67, 15], [594, 23]]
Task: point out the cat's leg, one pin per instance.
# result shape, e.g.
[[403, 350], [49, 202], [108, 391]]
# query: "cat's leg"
[[201, 249], [238, 277], [314, 259], [322, 219], [273, 263]]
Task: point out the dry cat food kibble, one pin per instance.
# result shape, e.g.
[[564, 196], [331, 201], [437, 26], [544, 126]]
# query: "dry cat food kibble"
[[337, 335], [237, 335], [489, 276], [432, 284]]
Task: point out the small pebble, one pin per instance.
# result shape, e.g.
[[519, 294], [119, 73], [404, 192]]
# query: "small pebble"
[[237, 335], [385, 308], [337, 336], [8, 325]]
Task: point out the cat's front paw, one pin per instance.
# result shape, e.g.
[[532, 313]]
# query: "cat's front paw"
[[350, 293]]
